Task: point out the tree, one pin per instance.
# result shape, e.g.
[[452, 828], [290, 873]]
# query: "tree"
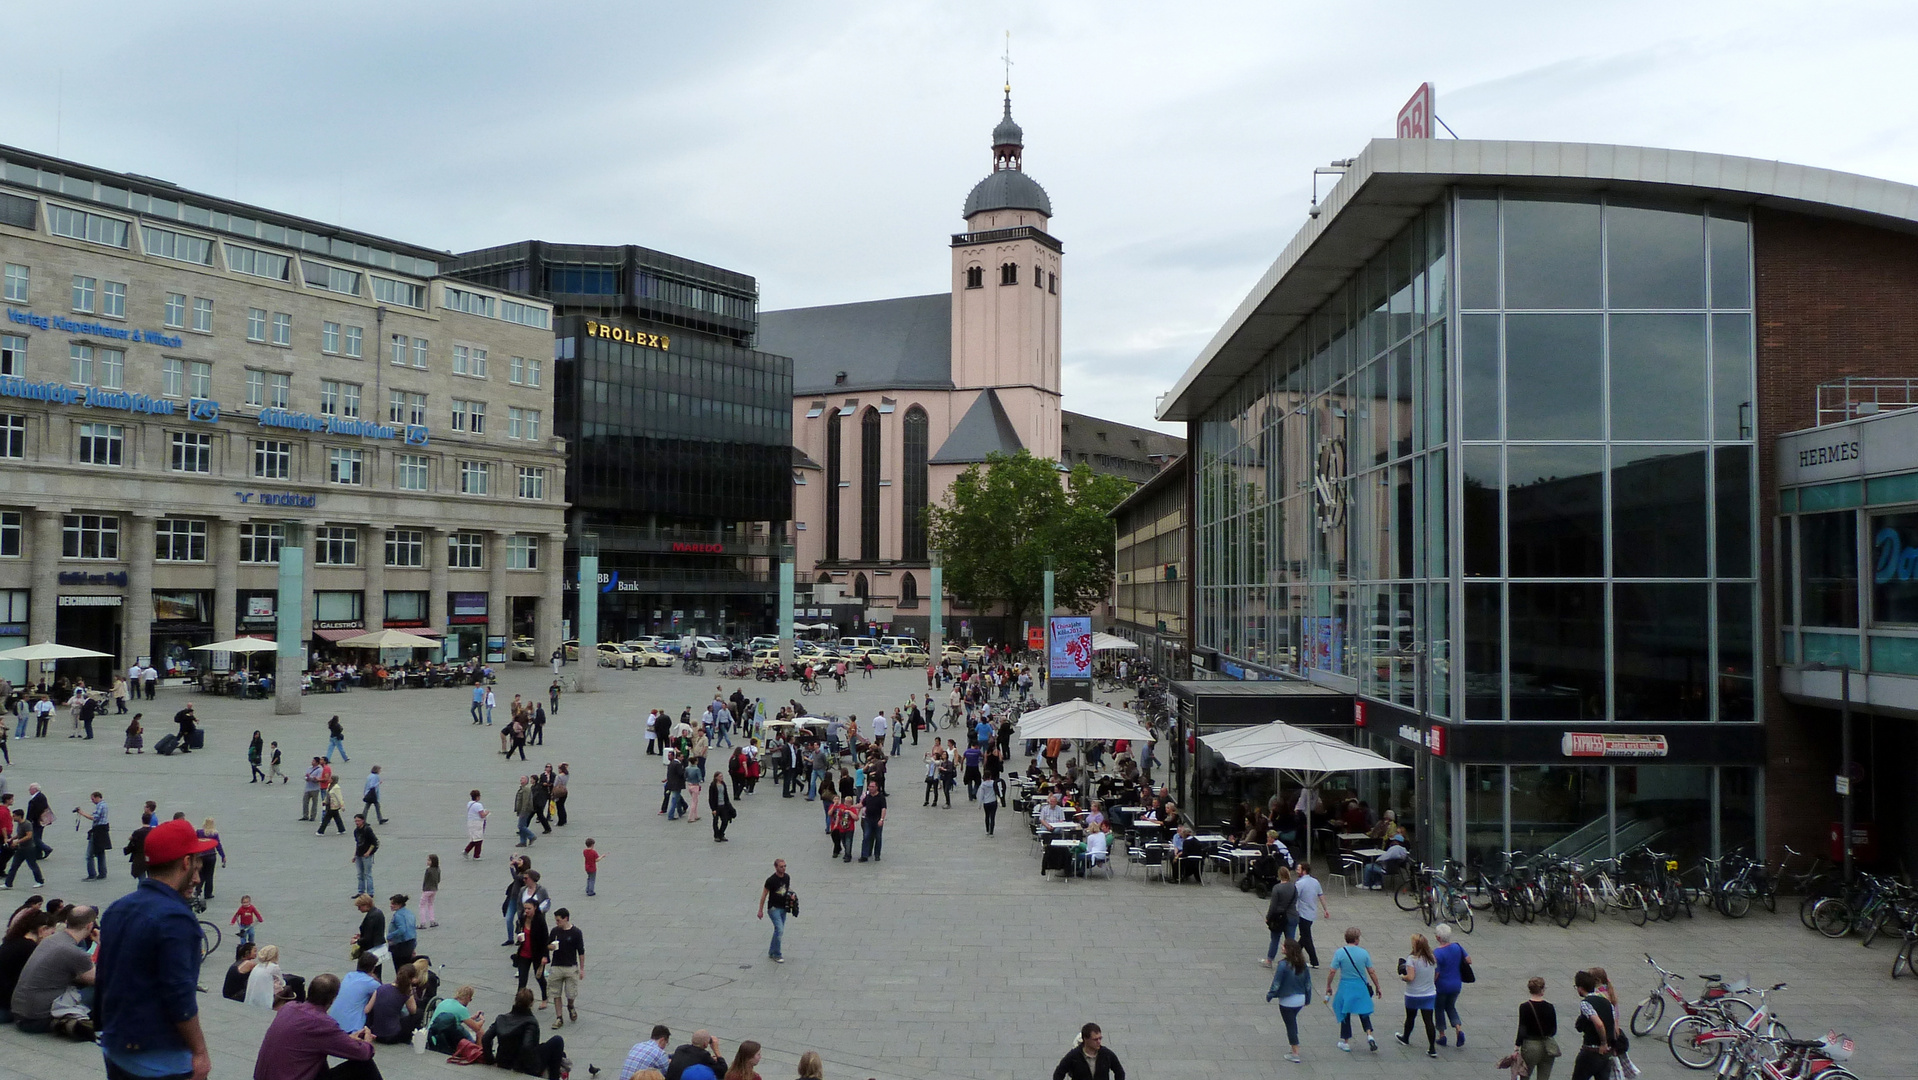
[[1000, 521]]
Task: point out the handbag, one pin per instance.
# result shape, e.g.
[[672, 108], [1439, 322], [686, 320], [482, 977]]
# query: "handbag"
[[1465, 972], [1550, 1041]]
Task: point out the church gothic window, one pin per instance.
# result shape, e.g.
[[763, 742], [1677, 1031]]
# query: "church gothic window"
[[859, 588], [908, 591], [832, 487], [914, 483], [869, 484], [975, 277], [1009, 274]]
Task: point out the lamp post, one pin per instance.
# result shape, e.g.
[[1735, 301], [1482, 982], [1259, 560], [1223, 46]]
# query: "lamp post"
[[786, 626], [289, 655], [586, 680]]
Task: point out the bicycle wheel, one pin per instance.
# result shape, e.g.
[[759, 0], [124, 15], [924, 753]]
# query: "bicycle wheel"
[[1406, 896], [1874, 923], [1737, 1010], [209, 938], [1564, 908], [1634, 905], [1645, 1018], [1805, 907], [1831, 917], [1735, 902], [1587, 905], [1502, 907], [1901, 964], [1462, 916], [1687, 1050]]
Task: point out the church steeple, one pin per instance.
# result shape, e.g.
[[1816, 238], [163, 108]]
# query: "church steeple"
[[1008, 140]]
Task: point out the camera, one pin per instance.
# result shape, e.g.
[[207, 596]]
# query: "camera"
[[1401, 965]]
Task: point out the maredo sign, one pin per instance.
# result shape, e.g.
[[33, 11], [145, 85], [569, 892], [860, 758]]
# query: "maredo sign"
[[1585, 744]]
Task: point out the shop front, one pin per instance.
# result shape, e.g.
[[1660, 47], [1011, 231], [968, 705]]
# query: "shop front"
[[466, 615], [256, 612], [13, 632], [182, 619], [90, 621]]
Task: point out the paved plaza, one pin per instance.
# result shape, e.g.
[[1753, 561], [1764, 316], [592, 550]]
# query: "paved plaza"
[[952, 958]]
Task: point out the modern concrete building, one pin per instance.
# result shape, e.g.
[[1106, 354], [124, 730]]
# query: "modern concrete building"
[[1477, 483], [1151, 568], [188, 382]]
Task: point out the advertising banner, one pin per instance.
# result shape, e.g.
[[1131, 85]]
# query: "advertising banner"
[[1070, 655]]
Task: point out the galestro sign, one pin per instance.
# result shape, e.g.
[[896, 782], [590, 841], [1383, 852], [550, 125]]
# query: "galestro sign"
[[630, 337], [1593, 744]]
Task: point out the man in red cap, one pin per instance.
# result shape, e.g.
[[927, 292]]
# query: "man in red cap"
[[144, 986]]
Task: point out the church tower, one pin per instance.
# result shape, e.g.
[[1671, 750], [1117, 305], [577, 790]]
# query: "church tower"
[[1005, 297]]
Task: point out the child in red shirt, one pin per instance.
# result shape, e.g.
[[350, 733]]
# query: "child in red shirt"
[[592, 866], [247, 916]]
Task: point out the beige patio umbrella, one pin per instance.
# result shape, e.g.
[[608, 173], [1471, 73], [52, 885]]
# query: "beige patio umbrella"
[[1304, 756], [47, 650], [239, 645], [388, 639]]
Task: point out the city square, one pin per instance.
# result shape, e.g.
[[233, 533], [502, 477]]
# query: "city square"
[[951, 958]]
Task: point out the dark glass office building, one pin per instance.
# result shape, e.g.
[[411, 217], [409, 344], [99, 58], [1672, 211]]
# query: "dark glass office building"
[[678, 433]]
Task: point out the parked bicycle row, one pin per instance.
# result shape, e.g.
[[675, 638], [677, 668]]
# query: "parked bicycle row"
[[1730, 1028]]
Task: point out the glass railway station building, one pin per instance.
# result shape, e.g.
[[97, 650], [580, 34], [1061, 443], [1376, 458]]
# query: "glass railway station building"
[[1483, 478]]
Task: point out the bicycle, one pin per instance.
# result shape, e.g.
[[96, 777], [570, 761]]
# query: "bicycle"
[[1718, 995], [1902, 964], [1698, 1042], [692, 666], [209, 938]]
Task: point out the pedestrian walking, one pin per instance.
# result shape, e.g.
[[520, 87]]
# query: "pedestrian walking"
[[539, 725], [479, 700], [99, 841], [273, 767], [119, 696], [695, 776], [1292, 987], [1419, 972], [591, 856], [255, 753], [475, 825], [533, 941], [523, 809], [568, 966], [1357, 985], [151, 677], [1621, 1043], [1453, 962], [335, 803], [1537, 1040], [873, 824], [1279, 913], [777, 898], [491, 701], [1597, 1024], [365, 844], [719, 801], [207, 831], [561, 780], [370, 795], [1089, 1059], [552, 692], [429, 890], [1309, 908], [335, 739], [989, 799]]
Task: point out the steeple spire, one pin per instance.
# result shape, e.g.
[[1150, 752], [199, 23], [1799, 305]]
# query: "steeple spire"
[[1008, 140]]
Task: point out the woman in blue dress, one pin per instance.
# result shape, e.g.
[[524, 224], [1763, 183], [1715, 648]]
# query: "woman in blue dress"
[[1357, 985]]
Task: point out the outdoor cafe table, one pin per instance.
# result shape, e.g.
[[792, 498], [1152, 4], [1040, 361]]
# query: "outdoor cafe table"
[[1058, 856], [1354, 837]]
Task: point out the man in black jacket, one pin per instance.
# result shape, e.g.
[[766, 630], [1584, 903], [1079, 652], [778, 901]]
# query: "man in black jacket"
[[703, 1050], [1090, 1060]]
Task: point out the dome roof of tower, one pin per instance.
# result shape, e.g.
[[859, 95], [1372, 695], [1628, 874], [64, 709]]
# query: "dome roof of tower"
[[1008, 189], [1008, 133]]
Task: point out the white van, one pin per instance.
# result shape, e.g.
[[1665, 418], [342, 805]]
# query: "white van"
[[858, 643], [890, 642], [712, 649]]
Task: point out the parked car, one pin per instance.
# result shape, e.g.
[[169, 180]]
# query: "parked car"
[[613, 654], [644, 641], [858, 657], [523, 649], [858, 643], [763, 641], [766, 658], [975, 652], [571, 645], [653, 657], [908, 655]]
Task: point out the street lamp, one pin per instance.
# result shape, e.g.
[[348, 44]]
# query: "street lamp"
[[1844, 754]]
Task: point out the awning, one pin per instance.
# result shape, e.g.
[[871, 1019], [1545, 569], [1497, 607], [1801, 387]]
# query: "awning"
[[337, 635]]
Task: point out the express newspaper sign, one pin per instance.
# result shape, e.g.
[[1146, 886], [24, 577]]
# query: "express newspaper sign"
[[1583, 744]]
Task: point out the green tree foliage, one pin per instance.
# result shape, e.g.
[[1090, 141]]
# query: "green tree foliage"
[[1001, 520]]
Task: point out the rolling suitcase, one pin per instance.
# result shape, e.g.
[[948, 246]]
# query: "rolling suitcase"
[[196, 740], [167, 745]]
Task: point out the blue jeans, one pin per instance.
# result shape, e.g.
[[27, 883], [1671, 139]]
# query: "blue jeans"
[[246, 933], [897, 738], [1290, 1013], [364, 864], [476, 712], [525, 832], [589, 884], [812, 784], [1446, 1010], [96, 861], [725, 735], [1282, 934], [871, 840], [20, 729], [675, 807], [778, 916], [333, 744]]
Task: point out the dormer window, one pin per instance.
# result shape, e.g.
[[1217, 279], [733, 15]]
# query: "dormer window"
[[975, 277], [1009, 274]]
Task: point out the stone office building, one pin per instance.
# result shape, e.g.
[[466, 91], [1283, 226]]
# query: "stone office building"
[[187, 382]]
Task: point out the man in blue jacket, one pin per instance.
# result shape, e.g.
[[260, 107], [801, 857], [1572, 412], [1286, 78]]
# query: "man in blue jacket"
[[144, 988]]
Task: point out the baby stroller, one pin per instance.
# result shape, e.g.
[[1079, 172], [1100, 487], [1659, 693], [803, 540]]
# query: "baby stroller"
[[1259, 878]]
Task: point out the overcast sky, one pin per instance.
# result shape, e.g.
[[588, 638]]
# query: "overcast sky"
[[826, 148]]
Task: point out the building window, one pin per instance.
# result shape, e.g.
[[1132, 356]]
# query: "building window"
[[1052, 283], [80, 225], [466, 551], [330, 278], [419, 353], [1038, 277], [13, 435], [84, 289], [469, 361], [344, 466], [406, 294], [522, 552], [523, 371], [522, 424], [13, 354], [532, 481], [869, 484], [336, 545], [329, 337], [190, 378], [89, 536], [405, 547], [256, 324], [199, 379], [174, 316], [475, 477], [179, 540], [832, 486], [257, 263], [179, 247], [260, 542], [523, 314], [19, 283], [975, 277], [268, 389], [101, 444], [908, 591], [172, 377], [469, 416], [339, 607], [202, 315], [396, 349], [914, 485], [1009, 274], [534, 365], [192, 452], [113, 299], [405, 408], [82, 367], [470, 302], [255, 386], [339, 399], [410, 472], [352, 343], [12, 524], [282, 329], [272, 459]]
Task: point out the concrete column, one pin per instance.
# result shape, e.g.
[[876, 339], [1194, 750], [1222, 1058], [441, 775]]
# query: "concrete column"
[[436, 579], [373, 558], [226, 579], [552, 553], [43, 610], [498, 619], [293, 630], [586, 673], [136, 631]]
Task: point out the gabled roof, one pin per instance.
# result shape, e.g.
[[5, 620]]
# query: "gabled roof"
[[985, 429], [904, 343]]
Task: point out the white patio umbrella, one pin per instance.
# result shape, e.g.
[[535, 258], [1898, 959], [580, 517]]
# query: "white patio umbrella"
[[1307, 757], [240, 645], [1111, 643], [388, 639], [47, 650], [1079, 719]]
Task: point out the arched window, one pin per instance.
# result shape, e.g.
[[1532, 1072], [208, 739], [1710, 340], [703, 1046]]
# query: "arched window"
[[859, 587], [914, 484], [869, 485], [1009, 274], [908, 591], [832, 487], [975, 277], [823, 579]]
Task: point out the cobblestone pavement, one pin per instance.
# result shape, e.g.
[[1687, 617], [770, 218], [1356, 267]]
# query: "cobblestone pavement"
[[952, 958]]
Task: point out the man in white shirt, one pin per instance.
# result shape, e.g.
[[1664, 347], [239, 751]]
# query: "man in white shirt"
[[879, 728], [1308, 909]]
